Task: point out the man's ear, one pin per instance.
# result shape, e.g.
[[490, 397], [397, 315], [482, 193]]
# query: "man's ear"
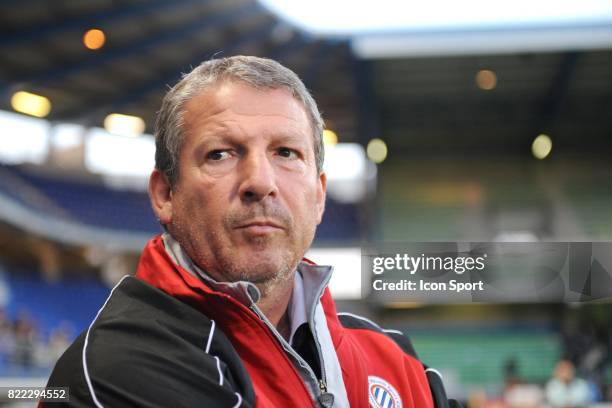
[[321, 192], [160, 194]]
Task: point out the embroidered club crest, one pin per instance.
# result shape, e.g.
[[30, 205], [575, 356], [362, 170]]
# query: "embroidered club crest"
[[382, 394]]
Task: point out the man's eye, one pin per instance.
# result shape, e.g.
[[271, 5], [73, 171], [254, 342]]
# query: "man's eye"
[[287, 152], [217, 155]]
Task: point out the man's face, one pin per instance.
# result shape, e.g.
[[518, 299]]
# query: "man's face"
[[248, 197]]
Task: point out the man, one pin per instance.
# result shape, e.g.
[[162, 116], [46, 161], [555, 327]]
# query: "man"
[[565, 390], [224, 311]]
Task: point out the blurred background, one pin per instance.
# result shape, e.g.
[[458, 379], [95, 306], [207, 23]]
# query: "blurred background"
[[447, 121]]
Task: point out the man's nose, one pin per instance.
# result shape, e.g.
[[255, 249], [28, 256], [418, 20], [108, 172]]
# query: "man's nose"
[[258, 179]]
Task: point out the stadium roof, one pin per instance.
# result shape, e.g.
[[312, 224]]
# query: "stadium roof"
[[147, 45], [416, 104]]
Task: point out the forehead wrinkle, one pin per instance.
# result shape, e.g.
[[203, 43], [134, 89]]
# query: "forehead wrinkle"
[[273, 114], [204, 113], [297, 120], [234, 126], [208, 119], [223, 97], [296, 123]]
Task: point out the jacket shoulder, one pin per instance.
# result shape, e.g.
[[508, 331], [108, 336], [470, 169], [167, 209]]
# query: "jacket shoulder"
[[145, 348], [432, 377], [352, 321]]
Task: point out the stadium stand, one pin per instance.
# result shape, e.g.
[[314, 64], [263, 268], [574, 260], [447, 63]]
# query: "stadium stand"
[[478, 356], [88, 204], [38, 319]]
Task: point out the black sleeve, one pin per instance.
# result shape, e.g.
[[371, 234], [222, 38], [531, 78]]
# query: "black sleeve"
[[147, 374], [68, 373], [146, 349]]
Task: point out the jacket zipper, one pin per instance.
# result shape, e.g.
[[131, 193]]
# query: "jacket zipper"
[[321, 384], [261, 318], [322, 381]]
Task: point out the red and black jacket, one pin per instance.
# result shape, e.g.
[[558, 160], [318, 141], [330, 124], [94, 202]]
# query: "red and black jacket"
[[165, 339]]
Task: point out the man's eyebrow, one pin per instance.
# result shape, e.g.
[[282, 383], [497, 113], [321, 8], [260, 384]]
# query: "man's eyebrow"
[[214, 136], [290, 136]]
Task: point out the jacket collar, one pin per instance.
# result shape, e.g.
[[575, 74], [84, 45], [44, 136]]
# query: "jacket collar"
[[243, 291], [158, 268], [165, 265]]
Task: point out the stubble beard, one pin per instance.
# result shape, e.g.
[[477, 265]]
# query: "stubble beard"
[[268, 261], [269, 273], [272, 261], [222, 262]]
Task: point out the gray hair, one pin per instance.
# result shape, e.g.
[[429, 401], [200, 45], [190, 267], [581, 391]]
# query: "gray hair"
[[260, 73]]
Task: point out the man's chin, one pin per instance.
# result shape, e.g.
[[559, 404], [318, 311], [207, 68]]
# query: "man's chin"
[[262, 244], [262, 272], [263, 268]]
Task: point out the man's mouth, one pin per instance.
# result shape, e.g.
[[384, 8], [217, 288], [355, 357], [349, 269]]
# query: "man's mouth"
[[260, 227]]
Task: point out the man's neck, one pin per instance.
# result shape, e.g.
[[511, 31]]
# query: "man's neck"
[[274, 304], [274, 298]]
